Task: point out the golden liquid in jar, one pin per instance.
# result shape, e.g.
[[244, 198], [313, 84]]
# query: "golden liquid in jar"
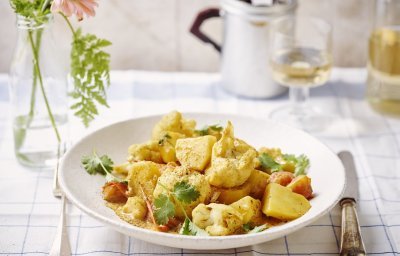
[[299, 67], [383, 90]]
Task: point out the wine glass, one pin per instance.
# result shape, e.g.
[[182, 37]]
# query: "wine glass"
[[301, 59]]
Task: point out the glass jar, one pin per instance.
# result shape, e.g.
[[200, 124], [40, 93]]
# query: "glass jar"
[[38, 93], [383, 84]]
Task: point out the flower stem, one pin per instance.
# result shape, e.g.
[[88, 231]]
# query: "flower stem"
[[39, 74], [35, 75], [69, 24]]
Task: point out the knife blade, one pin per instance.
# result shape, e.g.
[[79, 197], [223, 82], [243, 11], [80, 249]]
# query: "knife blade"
[[351, 242]]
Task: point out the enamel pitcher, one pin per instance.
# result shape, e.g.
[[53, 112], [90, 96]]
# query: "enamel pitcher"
[[245, 69]]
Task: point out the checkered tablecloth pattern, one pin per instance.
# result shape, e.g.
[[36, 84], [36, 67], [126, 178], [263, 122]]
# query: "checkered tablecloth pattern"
[[29, 213]]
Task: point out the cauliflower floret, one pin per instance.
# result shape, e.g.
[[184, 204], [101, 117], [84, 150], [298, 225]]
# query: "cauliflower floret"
[[195, 153], [173, 175], [134, 208], [173, 122], [249, 208], [217, 219], [143, 175], [148, 151], [232, 161]]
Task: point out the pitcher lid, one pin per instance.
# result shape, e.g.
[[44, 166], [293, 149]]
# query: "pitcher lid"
[[244, 8]]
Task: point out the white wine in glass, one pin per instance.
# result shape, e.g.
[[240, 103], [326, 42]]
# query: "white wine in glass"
[[300, 59], [300, 67]]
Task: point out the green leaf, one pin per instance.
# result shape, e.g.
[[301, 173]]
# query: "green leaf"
[[268, 163], [165, 209], [191, 229], [185, 229], [185, 192], [90, 70], [301, 163], [205, 130], [258, 229], [164, 139], [103, 165], [248, 226]]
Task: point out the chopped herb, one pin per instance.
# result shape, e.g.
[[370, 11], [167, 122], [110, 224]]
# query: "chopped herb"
[[301, 163], [164, 139], [268, 164], [258, 229], [248, 226], [102, 165], [164, 209], [185, 193], [205, 130], [191, 229]]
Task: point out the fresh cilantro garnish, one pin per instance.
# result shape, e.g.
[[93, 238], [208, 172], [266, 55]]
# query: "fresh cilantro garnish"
[[247, 226], [90, 71], [191, 229], [164, 139], [103, 165], [164, 209], [301, 163], [268, 163], [258, 229], [205, 130], [185, 192]]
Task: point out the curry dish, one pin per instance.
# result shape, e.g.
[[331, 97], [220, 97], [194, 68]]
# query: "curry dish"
[[206, 182]]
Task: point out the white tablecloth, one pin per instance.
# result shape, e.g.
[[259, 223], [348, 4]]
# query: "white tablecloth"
[[29, 213]]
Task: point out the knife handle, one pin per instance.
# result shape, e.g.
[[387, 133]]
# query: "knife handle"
[[351, 241]]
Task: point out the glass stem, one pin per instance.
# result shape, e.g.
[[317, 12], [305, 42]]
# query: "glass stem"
[[299, 97]]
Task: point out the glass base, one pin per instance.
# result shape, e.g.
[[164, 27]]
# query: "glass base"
[[305, 117]]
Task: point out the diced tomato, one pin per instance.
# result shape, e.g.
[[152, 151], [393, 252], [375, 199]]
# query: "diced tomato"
[[282, 178], [115, 192]]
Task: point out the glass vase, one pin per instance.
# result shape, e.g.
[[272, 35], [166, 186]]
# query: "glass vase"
[[38, 93]]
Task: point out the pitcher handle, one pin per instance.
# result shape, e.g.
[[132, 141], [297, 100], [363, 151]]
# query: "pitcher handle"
[[201, 17]]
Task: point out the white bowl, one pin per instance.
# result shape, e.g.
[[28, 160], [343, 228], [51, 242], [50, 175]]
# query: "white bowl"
[[84, 190]]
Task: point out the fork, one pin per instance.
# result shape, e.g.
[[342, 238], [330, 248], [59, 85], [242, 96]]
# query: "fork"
[[61, 244]]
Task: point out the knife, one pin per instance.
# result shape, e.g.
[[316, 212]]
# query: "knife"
[[351, 242]]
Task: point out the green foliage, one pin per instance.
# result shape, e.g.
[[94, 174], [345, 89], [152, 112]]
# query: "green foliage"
[[164, 139], [258, 229], [268, 164], [103, 165], [185, 193], [301, 163], [33, 9], [164, 209], [90, 71], [206, 129], [191, 229]]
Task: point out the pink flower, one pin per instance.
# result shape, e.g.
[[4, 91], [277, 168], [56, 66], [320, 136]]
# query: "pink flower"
[[76, 7]]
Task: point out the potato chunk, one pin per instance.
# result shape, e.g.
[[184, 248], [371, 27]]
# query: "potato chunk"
[[258, 181], [135, 208], [195, 153], [167, 146], [143, 175], [301, 185], [217, 219], [281, 203], [230, 195], [249, 208]]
